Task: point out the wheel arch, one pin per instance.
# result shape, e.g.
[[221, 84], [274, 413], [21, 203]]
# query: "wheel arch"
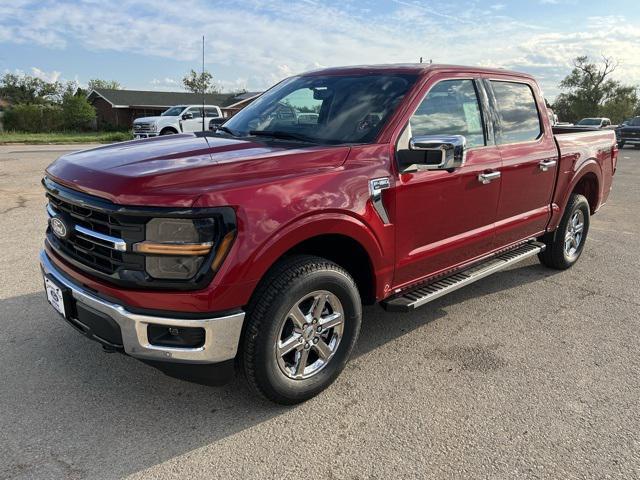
[[168, 128], [588, 185], [345, 241]]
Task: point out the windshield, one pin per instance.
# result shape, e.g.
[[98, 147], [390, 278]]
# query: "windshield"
[[635, 122], [173, 112], [589, 121], [324, 109]]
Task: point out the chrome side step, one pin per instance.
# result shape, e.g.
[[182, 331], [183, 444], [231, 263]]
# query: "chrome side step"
[[423, 294]]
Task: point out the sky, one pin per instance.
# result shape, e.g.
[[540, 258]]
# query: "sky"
[[252, 44]]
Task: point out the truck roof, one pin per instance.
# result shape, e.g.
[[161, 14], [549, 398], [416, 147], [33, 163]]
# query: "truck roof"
[[412, 68]]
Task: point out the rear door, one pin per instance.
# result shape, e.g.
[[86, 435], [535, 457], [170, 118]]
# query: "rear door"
[[446, 218], [529, 160]]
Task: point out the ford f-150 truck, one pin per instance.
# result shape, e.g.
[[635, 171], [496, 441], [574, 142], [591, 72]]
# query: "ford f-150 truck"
[[254, 247]]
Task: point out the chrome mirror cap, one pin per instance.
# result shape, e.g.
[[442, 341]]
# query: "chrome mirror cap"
[[453, 149]]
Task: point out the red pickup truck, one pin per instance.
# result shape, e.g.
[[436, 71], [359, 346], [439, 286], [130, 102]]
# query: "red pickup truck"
[[254, 246]]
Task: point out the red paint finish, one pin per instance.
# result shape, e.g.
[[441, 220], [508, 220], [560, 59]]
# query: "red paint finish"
[[445, 219], [283, 196]]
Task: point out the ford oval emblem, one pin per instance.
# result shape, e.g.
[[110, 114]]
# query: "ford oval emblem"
[[59, 228]]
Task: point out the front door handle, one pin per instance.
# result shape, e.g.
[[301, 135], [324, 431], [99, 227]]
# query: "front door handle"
[[547, 164], [485, 178]]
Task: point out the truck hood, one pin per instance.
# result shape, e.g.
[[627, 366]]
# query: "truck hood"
[[174, 170], [151, 119]]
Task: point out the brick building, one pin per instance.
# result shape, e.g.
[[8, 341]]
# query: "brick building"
[[118, 108]]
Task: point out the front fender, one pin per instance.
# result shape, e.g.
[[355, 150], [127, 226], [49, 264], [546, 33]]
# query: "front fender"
[[316, 225]]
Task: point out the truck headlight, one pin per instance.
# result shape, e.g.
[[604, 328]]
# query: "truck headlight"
[[177, 248], [152, 127]]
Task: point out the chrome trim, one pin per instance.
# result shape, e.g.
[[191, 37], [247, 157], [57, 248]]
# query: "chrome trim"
[[116, 243], [376, 186], [489, 177], [547, 164], [50, 211], [222, 334], [452, 149]]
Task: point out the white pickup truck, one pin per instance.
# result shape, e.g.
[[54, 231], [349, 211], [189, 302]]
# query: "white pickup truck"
[[178, 119]]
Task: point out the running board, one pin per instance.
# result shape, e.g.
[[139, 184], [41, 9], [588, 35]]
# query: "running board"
[[426, 293]]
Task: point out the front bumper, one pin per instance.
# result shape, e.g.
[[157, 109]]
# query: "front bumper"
[[138, 135], [222, 334]]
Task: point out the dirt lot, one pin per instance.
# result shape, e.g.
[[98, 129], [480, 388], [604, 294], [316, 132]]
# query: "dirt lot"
[[529, 374]]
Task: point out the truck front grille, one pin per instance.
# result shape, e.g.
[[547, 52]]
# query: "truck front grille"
[[97, 240], [141, 127]]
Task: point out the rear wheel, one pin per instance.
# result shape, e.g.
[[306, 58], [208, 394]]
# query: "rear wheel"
[[565, 245], [301, 329]]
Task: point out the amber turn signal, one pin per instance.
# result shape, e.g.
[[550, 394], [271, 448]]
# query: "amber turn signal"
[[187, 249]]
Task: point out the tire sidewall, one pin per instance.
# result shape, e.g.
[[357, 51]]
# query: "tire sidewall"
[[580, 203], [266, 363]]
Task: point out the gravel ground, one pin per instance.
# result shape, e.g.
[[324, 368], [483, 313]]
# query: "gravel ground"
[[530, 373]]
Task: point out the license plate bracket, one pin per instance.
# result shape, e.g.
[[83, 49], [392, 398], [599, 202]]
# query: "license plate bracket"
[[59, 297]]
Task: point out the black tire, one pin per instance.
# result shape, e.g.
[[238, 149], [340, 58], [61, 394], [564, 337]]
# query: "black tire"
[[168, 131], [283, 287], [555, 255], [620, 145], [636, 146]]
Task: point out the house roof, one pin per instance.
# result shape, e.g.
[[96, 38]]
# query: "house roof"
[[145, 98]]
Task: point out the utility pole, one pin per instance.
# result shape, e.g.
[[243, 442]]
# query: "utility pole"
[[203, 87]]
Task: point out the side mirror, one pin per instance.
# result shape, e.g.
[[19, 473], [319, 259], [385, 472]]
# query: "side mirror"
[[187, 116], [437, 152]]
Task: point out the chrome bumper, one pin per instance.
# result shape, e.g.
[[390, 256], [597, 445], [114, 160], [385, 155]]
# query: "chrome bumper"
[[222, 334], [144, 135]]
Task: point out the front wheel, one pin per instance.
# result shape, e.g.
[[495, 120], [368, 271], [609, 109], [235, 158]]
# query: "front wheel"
[[301, 328], [565, 245]]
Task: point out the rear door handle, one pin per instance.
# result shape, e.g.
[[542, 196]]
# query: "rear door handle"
[[547, 164], [485, 178]]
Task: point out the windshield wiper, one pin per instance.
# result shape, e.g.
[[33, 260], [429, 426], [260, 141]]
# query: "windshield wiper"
[[227, 130], [283, 135]]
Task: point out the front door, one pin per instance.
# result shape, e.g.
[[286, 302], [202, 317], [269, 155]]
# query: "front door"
[[446, 218], [529, 162], [193, 124]]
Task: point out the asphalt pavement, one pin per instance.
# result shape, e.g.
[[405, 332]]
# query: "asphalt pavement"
[[530, 373]]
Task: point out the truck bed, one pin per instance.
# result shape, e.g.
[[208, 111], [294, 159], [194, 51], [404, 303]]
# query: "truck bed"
[[576, 147]]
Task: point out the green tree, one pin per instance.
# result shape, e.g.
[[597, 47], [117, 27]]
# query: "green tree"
[[104, 84], [200, 82], [589, 91], [77, 112], [28, 89]]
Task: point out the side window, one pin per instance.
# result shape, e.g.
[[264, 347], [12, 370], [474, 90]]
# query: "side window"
[[196, 112], [450, 108], [211, 112], [519, 119]]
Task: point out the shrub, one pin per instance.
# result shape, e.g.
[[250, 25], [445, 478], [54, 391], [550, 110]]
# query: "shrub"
[[78, 113], [33, 118]]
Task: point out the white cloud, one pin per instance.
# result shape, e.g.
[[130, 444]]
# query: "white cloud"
[[50, 77], [255, 43]]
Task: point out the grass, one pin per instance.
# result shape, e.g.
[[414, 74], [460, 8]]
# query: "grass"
[[63, 137]]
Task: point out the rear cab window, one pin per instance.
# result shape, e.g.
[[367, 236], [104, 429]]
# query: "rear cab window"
[[518, 116]]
